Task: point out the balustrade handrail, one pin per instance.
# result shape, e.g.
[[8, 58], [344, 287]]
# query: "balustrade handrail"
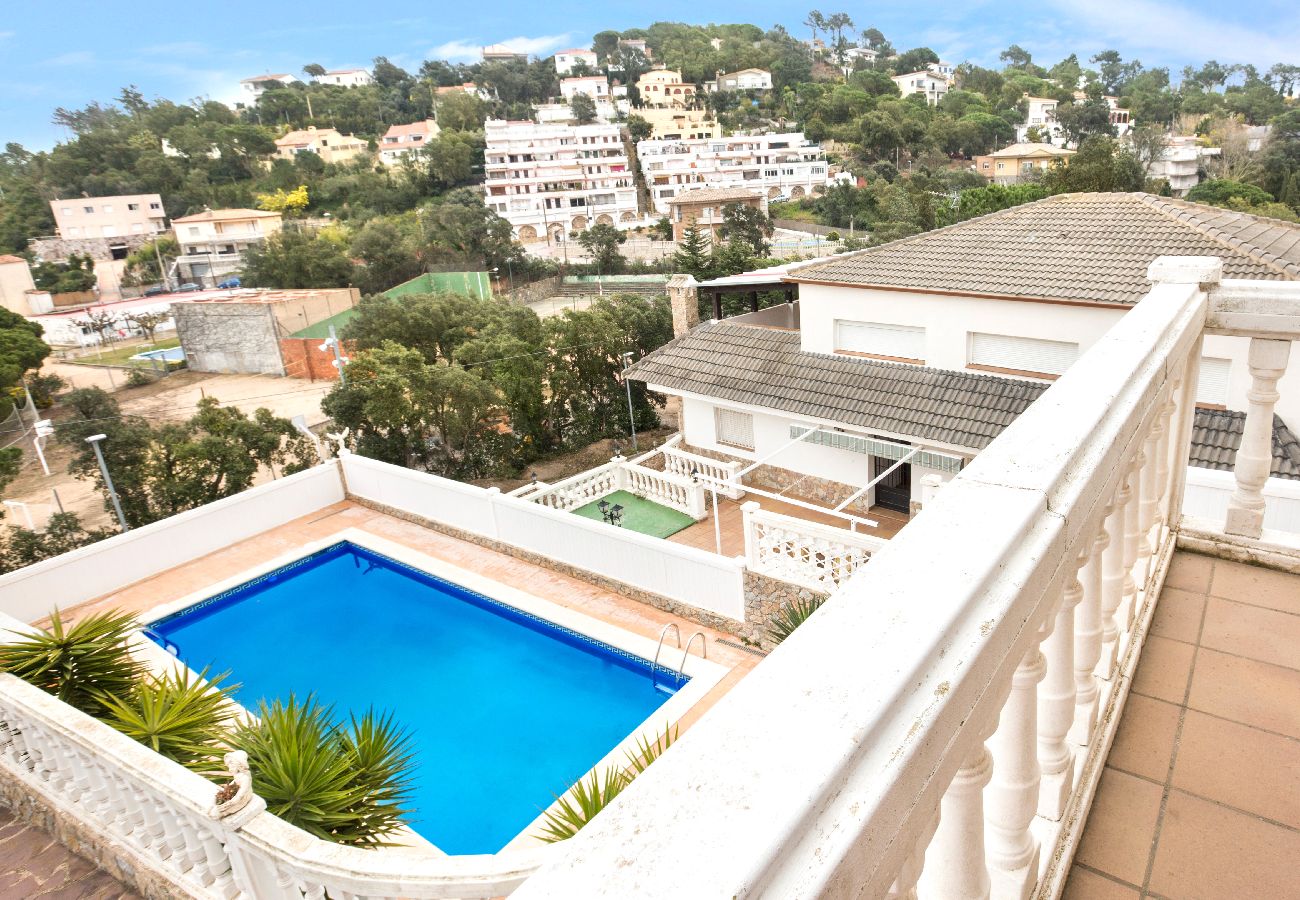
[[887, 694], [817, 529]]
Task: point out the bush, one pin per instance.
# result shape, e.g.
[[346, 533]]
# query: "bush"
[[137, 377], [790, 616], [182, 717]]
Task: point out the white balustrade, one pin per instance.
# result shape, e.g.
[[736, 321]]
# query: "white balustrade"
[[1056, 705], [955, 866], [1267, 361], [809, 554], [682, 462], [1087, 640], [665, 488], [1012, 795]]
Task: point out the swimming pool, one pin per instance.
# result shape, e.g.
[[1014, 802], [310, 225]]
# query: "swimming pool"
[[169, 354], [507, 709]]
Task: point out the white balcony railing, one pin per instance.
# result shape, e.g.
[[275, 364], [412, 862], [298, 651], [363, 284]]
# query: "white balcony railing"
[[816, 556], [938, 728]]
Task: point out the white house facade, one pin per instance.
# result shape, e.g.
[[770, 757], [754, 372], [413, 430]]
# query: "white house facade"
[[565, 60], [594, 86], [346, 78], [933, 87]]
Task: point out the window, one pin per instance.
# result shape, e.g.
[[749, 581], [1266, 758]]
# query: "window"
[[194, 231], [877, 339], [1212, 385], [734, 429], [133, 207], [88, 209], [67, 210], [108, 207], [74, 231], [155, 206], [1030, 356]]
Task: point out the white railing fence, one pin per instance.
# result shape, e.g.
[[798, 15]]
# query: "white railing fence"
[[697, 578], [951, 706], [1208, 492], [665, 488], [682, 462], [138, 805], [809, 554]]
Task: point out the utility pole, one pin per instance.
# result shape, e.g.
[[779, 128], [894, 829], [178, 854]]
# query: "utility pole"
[[93, 441], [167, 282]]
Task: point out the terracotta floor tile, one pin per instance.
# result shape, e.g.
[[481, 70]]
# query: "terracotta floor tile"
[[1244, 767], [1163, 669], [1178, 615], [1117, 837], [1191, 572], [1145, 739], [1085, 885], [1252, 631], [1208, 852], [1246, 691], [1256, 585]]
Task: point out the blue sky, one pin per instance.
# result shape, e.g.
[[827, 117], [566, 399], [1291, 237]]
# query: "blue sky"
[[65, 53]]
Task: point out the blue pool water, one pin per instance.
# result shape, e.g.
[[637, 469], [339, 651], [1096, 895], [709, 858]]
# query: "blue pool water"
[[506, 710], [170, 353]]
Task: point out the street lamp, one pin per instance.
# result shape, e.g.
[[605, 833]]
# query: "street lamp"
[[631, 418], [93, 441], [332, 343]]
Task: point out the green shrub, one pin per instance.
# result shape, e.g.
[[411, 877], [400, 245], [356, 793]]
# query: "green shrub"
[[790, 616], [177, 715]]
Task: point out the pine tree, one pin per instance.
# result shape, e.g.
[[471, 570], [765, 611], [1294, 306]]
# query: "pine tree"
[[1290, 194], [692, 256]]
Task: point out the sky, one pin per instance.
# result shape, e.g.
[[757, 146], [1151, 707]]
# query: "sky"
[[70, 52]]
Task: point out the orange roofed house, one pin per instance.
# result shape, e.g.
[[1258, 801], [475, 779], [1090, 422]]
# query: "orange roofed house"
[[327, 143]]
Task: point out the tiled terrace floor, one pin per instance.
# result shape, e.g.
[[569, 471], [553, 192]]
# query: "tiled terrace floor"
[[1200, 797], [34, 865], [703, 536]]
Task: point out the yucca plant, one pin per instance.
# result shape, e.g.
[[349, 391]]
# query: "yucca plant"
[[592, 794], [80, 664], [179, 715], [790, 616], [346, 786]]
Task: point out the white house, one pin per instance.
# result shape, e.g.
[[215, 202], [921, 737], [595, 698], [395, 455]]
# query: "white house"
[[942, 69], [864, 53], [933, 86], [346, 77], [565, 60], [400, 141], [935, 343], [594, 86], [1181, 164], [1041, 116], [743, 80], [252, 88]]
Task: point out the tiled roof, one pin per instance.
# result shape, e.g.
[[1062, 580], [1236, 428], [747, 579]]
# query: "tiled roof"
[[6, 259], [766, 368], [714, 195], [223, 215], [423, 128], [1019, 151], [1080, 247], [1216, 437]]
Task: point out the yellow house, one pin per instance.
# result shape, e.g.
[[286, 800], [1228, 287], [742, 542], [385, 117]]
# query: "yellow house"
[[326, 143], [1019, 162], [664, 88], [680, 124]]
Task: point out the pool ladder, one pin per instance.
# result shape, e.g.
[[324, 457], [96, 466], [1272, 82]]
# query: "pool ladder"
[[677, 633]]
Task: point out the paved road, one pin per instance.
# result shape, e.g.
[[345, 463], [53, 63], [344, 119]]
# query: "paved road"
[[34, 865]]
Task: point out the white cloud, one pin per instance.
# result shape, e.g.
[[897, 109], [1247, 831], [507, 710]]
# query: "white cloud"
[[465, 50], [7, 34], [74, 58]]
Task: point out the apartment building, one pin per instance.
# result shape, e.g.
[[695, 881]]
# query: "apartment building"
[[743, 80], [1181, 164], [1040, 115], [346, 77], [772, 164], [680, 123], [594, 86], [566, 60], [1020, 162], [664, 88], [934, 87], [213, 242], [103, 227], [550, 180], [705, 208], [327, 143], [400, 140]]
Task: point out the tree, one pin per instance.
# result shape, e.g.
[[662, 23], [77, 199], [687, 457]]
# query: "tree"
[[1218, 191], [148, 322], [601, 242], [63, 532], [815, 23], [1016, 57], [75, 274], [459, 111], [747, 224], [296, 258], [461, 227], [692, 256], [1099, 165], [1147, 143], [389, 255], [638, 128], [583, 108], [21, 351], [142, 264], [1082, 120], [313, 70], [288, 202], [915, 60]]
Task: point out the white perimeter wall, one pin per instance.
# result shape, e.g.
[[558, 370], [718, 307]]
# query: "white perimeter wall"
[[948, 322], [1208, 490], [31, 593]]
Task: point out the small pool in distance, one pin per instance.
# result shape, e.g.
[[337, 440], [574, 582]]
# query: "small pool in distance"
[[170, 354], [506, 710]]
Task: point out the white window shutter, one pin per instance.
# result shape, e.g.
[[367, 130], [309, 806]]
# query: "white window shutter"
[[1035, 355], [734, 428], [1212, 385], [880, 339]]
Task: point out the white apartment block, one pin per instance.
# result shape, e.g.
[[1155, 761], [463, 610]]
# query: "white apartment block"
[[774, 164], [1181, 164], [594, 86], [253, 88], [550, 180], [565, 60], [933, 86], [109, 217], [346, 78], [1041, 114]]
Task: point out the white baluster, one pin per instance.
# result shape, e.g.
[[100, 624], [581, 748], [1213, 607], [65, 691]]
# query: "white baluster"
[[1112, 581], [1163, 464], [1056, 704], [955, 864], [1132, 536], [1087, 641], [904, 886], [1267, 360], [1012, 795]]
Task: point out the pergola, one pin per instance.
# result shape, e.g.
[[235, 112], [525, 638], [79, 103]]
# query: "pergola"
[[753, 283]]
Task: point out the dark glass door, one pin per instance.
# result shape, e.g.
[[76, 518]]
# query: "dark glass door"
[[894, 491]]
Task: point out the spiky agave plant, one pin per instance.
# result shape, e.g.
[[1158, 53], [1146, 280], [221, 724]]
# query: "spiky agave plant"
[[81, 663], [339, 785], [790, 616], [592, 794], [180, 715]]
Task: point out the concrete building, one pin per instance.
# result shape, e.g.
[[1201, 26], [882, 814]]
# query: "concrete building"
[[594, 86], [943, 69], [1119, 117], [17, 290], [704, 208], [1020, 162], [562, 113], [327, 143], [549, 180], [665, 89], [773, 164], [933, 87], [565, 60], [501, 53], [402, 140], [680, 124], [253, 88], [346, 77], [743, 80], [213, 242], [240, 331], [103, 227], [1041, 116], [1181, 164]]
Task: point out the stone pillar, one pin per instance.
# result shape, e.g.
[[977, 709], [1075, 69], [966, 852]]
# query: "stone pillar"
[[685, 301]]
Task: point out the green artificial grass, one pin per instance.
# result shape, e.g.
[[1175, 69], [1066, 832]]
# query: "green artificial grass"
[[639, 515], [121, 356]]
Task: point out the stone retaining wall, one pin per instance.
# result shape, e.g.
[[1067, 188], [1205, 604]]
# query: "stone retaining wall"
[[764, 597], [100, 248]]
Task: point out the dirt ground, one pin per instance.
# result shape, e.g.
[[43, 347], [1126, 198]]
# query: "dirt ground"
[[173, 398]]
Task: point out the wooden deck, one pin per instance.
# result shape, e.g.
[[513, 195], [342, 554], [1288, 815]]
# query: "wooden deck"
[[730, 520]]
